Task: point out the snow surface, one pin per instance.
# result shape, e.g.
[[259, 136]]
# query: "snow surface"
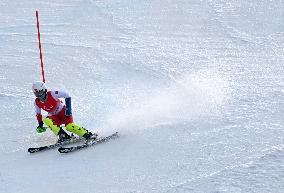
[[195, 88]]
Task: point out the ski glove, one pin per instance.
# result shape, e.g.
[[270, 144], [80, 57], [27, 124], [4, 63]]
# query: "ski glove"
[[40, 128], [68, 111]]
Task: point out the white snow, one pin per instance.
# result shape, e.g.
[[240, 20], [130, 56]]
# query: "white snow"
[[195, 88]]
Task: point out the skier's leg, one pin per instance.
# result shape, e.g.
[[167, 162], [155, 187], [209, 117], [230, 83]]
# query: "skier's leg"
[[81, 131], [62, 135], [54, 128], [74, 128]]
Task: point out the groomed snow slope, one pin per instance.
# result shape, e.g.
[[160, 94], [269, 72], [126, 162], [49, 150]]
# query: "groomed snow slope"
[[195, 88]]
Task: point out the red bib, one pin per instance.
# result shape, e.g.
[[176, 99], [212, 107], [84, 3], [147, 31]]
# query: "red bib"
[[50, 104]]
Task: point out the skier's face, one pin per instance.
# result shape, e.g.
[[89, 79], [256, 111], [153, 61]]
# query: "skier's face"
[[41, 94]]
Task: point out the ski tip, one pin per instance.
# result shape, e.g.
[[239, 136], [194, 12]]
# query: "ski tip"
[[31, 150]]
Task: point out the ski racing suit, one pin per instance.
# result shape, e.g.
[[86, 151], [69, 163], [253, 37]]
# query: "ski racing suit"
[[56, 113]]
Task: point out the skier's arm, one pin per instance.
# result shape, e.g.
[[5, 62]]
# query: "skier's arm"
[[40, 127], [59, 94], [38, 113], [63, 94]]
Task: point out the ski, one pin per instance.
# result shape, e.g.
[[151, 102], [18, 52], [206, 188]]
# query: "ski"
[[88, 143], [52, 146]]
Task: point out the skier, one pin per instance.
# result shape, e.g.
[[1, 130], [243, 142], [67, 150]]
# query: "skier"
[[58, 113]]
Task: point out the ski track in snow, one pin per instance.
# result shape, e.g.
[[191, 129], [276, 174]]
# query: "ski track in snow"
[[195, 89], [253, 166]]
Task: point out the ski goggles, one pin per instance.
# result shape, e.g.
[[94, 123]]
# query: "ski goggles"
[[40, 94]]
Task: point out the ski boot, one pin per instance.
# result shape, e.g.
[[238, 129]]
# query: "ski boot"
[[63, 136], [90, 135]]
